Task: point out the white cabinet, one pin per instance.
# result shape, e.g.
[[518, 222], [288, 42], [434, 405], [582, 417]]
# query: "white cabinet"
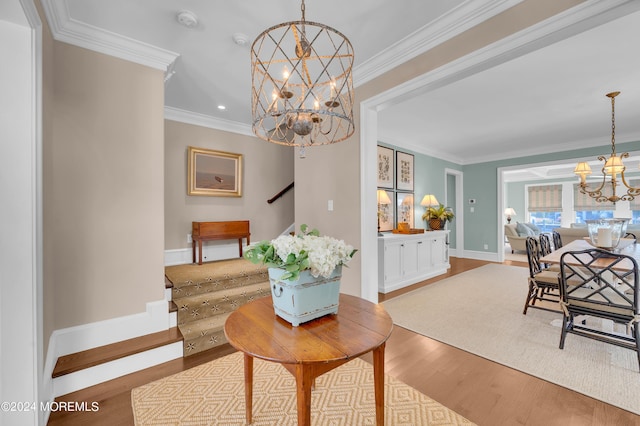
[[439, 251], [405, 259], [391, 262]]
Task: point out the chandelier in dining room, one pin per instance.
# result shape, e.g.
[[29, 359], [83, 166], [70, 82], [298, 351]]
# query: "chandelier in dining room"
[[302, 88], [613, 166]]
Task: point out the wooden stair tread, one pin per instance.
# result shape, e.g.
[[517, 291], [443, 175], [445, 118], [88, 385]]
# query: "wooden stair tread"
[[100, 355]]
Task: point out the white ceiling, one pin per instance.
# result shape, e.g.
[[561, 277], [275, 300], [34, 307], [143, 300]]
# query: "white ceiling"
[[544, 100]]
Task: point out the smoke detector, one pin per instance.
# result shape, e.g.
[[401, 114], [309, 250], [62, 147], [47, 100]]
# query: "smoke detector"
[[187, 18]]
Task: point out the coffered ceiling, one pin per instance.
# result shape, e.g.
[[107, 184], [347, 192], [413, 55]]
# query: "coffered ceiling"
[[547, 96]]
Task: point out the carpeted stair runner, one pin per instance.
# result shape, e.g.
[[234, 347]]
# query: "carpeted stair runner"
[[206, 294]]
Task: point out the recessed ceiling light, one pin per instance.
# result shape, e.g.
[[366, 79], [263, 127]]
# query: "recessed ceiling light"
[[240, 39], [222, 107], [187, 18]]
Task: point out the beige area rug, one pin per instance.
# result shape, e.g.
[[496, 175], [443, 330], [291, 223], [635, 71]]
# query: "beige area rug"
[[480, 311], [213, 394], [520, 256]]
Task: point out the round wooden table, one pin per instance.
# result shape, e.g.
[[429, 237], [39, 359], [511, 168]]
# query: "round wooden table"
[[312, 348]]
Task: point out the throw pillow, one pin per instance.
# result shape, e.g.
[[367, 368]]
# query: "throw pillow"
[[533, 227], [524, 231]]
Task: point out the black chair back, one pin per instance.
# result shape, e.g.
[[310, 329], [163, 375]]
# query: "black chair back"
[[533, 256], [545, 245], [601, 284], [557, 240]]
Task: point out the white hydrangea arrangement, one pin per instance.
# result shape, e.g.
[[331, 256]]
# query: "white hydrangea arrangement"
[[319, 254]]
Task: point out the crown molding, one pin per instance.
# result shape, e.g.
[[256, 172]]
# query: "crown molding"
[[456, 21], [558, 27], [203, 120], [66, 29], [573, 21]]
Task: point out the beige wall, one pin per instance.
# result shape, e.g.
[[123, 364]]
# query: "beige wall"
[[111, 208], [333, 172], [267, 169], [104, 187]]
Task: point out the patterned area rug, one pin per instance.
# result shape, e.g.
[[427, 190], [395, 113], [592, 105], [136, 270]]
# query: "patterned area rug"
[[213, 394]]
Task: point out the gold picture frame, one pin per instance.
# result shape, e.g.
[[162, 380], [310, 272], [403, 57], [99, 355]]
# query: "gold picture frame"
[[214, 173]]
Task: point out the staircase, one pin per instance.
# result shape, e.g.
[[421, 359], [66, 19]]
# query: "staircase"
[[206, 295], [203, 296]]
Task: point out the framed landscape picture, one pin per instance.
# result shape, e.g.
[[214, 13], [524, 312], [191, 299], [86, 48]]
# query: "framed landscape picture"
[[385, 167], [404, 171], [404, 207], [214, 173]]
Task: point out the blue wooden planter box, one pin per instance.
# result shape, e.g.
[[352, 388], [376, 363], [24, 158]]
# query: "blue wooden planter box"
[[306, 298]]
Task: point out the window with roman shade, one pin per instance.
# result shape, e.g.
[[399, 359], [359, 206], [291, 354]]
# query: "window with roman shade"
[[635, 203], [582, 202], [545, 198]]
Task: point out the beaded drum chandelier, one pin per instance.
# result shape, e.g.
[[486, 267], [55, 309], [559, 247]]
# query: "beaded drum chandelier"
[[302, 88]]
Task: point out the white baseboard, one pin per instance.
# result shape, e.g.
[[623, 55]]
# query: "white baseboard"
[[481, 255], [413, 280], [210, 251], [87, 336], [111, 370]]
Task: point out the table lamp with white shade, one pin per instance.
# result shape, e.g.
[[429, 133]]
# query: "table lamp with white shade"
[[429, 200], [383, 199], [509, 211]]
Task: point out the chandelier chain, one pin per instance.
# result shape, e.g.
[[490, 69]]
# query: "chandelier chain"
[[613, 124]]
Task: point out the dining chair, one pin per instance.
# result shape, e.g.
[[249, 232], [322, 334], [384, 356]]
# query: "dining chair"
[[602, 284], [544, 284], [557, 240], [545, 244], [545, 249]]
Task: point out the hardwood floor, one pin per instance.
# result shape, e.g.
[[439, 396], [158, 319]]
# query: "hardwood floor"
[[483, 391]]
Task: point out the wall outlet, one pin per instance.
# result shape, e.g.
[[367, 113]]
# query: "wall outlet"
[[330, 205], [189, 240], [486, 246]]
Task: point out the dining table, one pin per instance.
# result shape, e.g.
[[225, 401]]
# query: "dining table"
[[626, 246]]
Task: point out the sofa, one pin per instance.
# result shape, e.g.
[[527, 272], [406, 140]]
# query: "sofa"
[[516, 237], [571, 234], [578, 231]]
